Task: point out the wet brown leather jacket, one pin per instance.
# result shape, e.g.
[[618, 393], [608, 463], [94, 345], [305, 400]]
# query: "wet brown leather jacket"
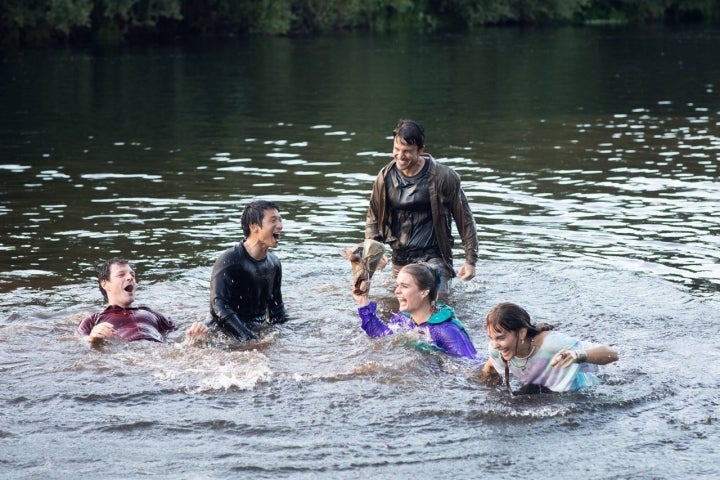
[[447, 202]]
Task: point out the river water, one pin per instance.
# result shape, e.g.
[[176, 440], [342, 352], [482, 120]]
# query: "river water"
[[590, 159]]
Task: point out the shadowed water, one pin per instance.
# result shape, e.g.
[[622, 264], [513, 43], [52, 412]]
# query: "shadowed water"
[[589, 158]]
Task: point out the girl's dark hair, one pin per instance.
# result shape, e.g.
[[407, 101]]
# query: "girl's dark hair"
[[254, 213], [513, 318], [426, 276], [411, 133], [103, 272]]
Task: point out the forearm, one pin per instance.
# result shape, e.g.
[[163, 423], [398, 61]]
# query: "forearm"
[[598, 355], [100, 333], [601, 355], [229, 321], [221, 309], [277, 314], [467, 229], [233, 326], [371, 323], [470, 243], [372, 218], [276, 306], [489, 375], [372, 229]]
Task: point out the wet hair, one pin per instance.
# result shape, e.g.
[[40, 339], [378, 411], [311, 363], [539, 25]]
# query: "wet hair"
[[426, 276], [254, 213], [103, 272], [513, 318], [410, 132]]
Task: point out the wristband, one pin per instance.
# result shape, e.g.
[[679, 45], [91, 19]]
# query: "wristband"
[[580, 356]]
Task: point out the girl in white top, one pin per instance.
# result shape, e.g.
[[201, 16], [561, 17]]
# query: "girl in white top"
[[542, 359]]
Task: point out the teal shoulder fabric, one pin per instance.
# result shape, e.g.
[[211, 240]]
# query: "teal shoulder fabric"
[[444, 314]]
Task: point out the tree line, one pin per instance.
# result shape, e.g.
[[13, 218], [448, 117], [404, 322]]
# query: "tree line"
[[37, 22]]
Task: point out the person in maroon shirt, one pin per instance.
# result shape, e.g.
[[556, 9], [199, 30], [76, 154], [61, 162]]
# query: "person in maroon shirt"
[[116, 280]]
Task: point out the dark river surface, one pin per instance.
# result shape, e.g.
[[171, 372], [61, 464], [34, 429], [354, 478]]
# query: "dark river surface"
[[590, 160]]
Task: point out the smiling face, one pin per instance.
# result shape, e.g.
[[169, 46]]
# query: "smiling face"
[[505, 341], [407, 157], [267, 234], [121, 286], [410, 297]]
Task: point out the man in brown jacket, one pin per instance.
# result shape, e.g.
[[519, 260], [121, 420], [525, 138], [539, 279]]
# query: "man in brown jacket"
[[413, 201]]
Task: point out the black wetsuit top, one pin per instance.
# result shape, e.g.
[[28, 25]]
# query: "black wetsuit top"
[[244, 291], [411, 221]]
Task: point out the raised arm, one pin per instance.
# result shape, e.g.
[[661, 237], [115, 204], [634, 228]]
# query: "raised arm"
[[370, 322]]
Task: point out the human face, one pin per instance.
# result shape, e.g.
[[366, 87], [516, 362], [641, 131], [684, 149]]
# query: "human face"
[[505, 341], [410, 297], [407, 157], [121, 286], [268, 234]]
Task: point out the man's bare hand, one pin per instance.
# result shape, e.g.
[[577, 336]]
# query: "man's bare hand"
[[101, 332], [466, 272]]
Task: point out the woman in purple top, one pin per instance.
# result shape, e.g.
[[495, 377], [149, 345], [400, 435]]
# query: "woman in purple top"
[[116, 280], [416, 291]]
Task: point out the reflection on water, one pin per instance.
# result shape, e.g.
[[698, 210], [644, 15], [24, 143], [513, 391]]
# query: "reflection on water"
[[590, 161], [635, 190]]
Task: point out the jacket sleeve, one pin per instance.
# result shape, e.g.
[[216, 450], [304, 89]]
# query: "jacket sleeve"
[[276, 309], [453, 341], [371, 324], [465, 223], [375, 214], [233, 326]]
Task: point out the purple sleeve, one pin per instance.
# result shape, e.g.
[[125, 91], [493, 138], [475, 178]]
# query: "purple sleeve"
[[453, 340], [372, 325]]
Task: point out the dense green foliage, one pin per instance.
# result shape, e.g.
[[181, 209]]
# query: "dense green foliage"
[[113, 21]]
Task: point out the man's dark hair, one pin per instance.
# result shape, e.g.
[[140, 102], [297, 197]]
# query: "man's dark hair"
[[104, 272], [410, 132], [254, 213]]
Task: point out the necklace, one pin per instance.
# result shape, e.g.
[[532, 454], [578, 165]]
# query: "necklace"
[[526, 357]]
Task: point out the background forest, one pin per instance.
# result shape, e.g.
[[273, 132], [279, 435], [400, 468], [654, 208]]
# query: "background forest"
[[38, 22]]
